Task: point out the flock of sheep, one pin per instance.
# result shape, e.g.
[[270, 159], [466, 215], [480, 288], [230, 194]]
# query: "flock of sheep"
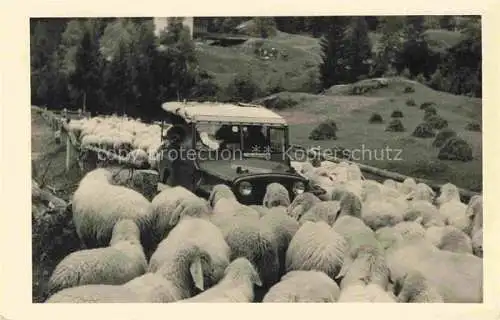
[[362, 241], [120, 134]]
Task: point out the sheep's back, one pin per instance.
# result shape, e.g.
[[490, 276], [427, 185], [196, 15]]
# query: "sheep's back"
[[316, 246]]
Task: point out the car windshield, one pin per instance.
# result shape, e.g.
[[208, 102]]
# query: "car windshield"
[[246, 140]]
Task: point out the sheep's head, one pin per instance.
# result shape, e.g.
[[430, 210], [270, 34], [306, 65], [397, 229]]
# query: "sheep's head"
[[220, 191], [243, 268], [125, 230]]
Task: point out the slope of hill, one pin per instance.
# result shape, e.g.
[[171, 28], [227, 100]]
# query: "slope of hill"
[[416, 156]]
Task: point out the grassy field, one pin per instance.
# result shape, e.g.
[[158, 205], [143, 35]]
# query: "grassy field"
[[293, 73], [418, 157]]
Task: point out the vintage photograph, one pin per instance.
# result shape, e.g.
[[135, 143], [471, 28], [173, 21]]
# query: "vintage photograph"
[[257, 159]]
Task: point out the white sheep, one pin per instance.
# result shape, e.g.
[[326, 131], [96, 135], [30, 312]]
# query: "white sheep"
[[276, 195], [422, 192], [407, 186], [95, 293], [220, 191], [350, 204], [356, 233], [283, 228], [154, 288], [449, 238], [474, 212], [122, 261], [236, 286], [380, 212], [388, 237], [326, 211], [303, 286], [458, 277], [454, 213], [366, 293], [410, 229], [98, 205], [415, 288], [316, 246], [477, 243], [263, 211], [226, 208], [391, 184], [425, 212], [139, 158], [448, 192], [302, 203], [193, 234], [365, 265], [249, 238], [164, 205]]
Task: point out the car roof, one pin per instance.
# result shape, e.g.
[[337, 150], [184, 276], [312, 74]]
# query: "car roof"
[[224, 113]]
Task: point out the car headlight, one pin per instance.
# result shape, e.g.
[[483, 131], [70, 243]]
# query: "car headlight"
[[299, 187], [245, 188]]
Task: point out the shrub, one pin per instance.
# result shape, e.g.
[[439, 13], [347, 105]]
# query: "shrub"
[[243, 89], [326, 130], [437, 122], [410, 102], [423, 130], [409, 89], [420, 78], [443, 136], [376, 118], [456, 149], [473, 126], [392, 99], [425, 105], [397, 114], [429, 112], [395, 126]]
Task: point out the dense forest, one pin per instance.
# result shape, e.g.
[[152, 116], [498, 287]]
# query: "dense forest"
[[118, 65]]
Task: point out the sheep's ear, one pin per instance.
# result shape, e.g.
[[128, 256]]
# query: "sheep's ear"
[[196, 271], [345, 266], [176, 215], [256, 279], [419, 220]]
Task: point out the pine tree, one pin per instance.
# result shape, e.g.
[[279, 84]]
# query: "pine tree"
[[358, 49], [117, 80], [333, 67], [389, 45], [87, 75]]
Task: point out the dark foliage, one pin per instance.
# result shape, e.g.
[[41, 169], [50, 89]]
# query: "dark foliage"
[[326, 130], [395, 126], [456, 149], [397, 114], [376, 118], [437, 122], [473, 126], [443, 136], [423, 130]]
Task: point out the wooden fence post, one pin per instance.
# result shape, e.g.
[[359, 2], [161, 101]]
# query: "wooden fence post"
[[68, 152]]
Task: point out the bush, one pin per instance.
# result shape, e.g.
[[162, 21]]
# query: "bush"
[[397, 114], [420, 78], [395, 126], [473, 126], [410, 102], [456, 149], [429, 112], [423, 130], [443, 136], [409, 89], [425, 105], [437, 122], [326, 130], [243, 89], [376, 118]]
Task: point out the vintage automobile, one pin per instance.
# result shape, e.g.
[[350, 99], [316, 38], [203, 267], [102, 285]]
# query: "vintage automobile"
[[240, 145]]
